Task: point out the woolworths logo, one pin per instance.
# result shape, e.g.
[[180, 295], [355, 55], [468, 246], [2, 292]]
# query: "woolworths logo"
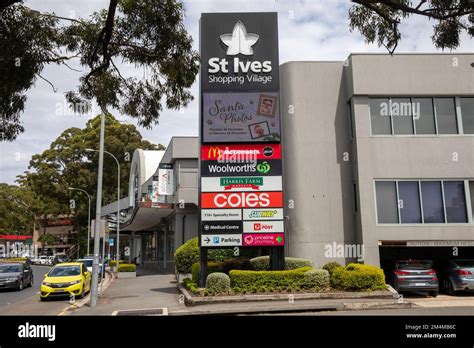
[[246, 182], [263, 167]]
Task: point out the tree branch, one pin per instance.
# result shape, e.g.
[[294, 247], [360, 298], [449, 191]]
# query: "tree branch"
[[52, 86]]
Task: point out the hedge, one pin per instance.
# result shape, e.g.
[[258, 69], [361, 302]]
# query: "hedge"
[[186, 255], [316, 279], [264, 281], [223, 267], [262, 263], [358, 277], [218, 283], [127, 267], [331, 266], [113, 262], [15, 259]]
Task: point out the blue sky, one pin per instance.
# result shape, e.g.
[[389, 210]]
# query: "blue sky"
[[308, 30]]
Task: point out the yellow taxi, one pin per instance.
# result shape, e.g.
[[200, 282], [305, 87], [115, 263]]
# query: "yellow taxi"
[[66, 279]]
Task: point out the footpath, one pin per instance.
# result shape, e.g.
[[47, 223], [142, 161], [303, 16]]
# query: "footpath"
[[158, 295]]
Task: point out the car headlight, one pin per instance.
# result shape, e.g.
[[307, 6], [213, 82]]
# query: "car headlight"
[[46, 284], [12, 279], [74, 282]]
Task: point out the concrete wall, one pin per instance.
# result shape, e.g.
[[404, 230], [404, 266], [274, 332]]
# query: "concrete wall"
[[407, 157], [315, 142]]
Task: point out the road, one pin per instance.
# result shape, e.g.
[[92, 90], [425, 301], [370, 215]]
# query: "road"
[[9, 297], [27, 301]]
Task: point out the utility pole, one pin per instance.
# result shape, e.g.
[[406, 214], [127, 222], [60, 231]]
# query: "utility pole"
[[98, 211]]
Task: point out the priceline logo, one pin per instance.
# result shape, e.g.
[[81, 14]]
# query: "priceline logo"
[[37, 331]]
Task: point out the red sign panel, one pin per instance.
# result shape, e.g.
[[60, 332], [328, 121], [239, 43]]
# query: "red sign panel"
[[264, 239], [240, 153], [242, 200]]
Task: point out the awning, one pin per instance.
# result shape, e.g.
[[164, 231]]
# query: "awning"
[[147, 215], [14, 237]]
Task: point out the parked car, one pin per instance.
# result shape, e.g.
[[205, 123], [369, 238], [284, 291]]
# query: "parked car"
[[88, 262], [15, 275], [456, 275], [43, 260], [414, 276], [66, 279], [60, 258]]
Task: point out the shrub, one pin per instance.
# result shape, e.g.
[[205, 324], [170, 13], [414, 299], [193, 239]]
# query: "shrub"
[[16, 259], [357, 277], [316, 279], [186, 255], [220, 254], [212, 267], [294, 263], [218, 283], [331, 266], [190, 285], [224, 267], [253, 281], [112, 263], [262, 263], [127, 267]]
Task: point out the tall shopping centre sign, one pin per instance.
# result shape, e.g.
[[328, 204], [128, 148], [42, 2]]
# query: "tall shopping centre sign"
[[241, 194]]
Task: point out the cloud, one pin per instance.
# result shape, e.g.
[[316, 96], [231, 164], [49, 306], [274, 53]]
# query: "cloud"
[[308, 30]]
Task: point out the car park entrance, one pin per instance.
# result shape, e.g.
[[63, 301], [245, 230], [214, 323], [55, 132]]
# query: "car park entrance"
[[452, 267]]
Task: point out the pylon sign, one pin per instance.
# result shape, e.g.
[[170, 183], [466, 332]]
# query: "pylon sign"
[[240, 131]]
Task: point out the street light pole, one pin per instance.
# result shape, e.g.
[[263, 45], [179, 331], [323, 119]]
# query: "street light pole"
[[117, 256], [88, 216], [98, 213]]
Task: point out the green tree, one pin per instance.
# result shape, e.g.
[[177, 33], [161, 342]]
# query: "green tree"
[[66, 164], [145, 34], [379, 21], [17, 210], [47, 239]]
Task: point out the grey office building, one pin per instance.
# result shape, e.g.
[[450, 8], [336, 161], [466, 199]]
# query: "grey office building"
[[378, 164]]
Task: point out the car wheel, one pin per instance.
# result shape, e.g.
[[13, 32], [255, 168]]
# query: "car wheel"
[[83, 292], [433, 293], [20, 285], [448, 287], [31, 281]]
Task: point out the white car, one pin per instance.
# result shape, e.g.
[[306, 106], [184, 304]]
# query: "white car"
[[44, 260]]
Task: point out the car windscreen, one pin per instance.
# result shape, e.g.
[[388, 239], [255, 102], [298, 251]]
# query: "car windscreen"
[[88, 263], [10, 268], [465, 263], [414, 265], [65, 271]]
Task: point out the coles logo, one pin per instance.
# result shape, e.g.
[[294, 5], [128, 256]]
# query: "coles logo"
[[241, 200]]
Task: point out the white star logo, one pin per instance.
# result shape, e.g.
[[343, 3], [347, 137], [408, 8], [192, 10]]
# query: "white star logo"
[[239, 42]]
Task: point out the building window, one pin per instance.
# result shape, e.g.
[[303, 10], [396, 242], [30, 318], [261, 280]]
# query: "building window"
[[402, 116], [432, 197], [387, 212], [425, 120], [409, 202], [415, 202], [454, 197], [155, 177], [421, 116], [380, 116], [467, 113], [446, 115]]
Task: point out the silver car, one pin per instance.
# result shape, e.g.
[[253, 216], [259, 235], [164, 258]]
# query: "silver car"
[[414, 276], [457, 275]]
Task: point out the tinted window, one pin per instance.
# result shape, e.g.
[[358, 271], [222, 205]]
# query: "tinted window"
[[446, 116], [414, 265], [432, 202], [401, 109], [424, 116], [386, 195], [409, 198], [65, 271], [465, 263], [467, 112], [380, 116], [10, 268], [455, 201]]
